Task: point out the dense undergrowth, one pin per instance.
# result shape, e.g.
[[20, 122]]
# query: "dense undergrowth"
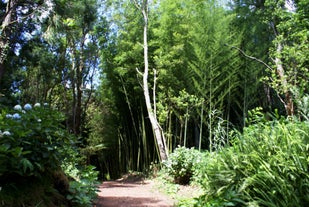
[[39, 162], [266, 165]]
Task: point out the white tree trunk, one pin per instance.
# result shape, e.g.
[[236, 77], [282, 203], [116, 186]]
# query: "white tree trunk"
[[157, 130], [288, 103]]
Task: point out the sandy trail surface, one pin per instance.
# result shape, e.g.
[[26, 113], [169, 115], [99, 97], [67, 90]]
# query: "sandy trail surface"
[[132, 194]]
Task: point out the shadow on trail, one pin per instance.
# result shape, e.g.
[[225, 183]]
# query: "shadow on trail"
[[114, 201], [121, 185], [124, 193]]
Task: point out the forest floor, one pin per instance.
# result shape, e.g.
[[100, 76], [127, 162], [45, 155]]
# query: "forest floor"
[[139, 193]]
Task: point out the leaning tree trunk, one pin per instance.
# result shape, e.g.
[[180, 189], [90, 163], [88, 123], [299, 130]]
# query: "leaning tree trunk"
[[157, 130]]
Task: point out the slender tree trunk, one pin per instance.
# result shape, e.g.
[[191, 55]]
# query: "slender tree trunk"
[[196, 134], [186, 126], [181, 132], [78, 67], [157, 130], [201, 127], [80, 86], [288, 103], [170, 136], [74, 86], [5, 34], [129, 106], [154, 92], [210, 107]]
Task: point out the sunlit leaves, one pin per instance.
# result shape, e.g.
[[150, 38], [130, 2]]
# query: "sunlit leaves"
[[265, 166]]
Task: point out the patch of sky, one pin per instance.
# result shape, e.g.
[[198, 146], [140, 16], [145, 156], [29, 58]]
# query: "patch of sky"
[[290, 6]]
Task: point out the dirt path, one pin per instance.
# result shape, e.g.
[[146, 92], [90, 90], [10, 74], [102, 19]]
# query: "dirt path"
[[132, 194]]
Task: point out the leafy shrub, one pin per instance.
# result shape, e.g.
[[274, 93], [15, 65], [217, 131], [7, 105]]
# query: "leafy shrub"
[[83, 190], [36, 148], [180, 164], [83, 184], [31, 150], [30, 140], [266, 166]]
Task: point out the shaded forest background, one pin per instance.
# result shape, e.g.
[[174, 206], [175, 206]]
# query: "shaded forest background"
[[210, 62]]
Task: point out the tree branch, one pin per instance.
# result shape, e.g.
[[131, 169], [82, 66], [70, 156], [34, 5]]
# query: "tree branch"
[[248, 56], [139, 72]]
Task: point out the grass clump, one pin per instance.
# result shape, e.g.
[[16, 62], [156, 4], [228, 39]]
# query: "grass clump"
[[266, 166]]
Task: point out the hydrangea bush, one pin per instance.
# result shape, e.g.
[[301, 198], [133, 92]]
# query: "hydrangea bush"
[[34, 146], [31, 140]]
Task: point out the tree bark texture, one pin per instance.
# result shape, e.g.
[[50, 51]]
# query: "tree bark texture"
[[288, 102]]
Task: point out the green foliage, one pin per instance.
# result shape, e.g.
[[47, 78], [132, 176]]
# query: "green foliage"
[[31, 140], [302, 103], [34, 150], [173, 51], [181, 163], [119, 135], [191, 59], [255, 41], [32, 146], [266, 166], [84, 190], [30, 191], [218, 129], [289, 50]]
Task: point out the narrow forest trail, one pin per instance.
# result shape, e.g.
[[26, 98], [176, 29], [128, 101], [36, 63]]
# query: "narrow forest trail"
[[134, 193]]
